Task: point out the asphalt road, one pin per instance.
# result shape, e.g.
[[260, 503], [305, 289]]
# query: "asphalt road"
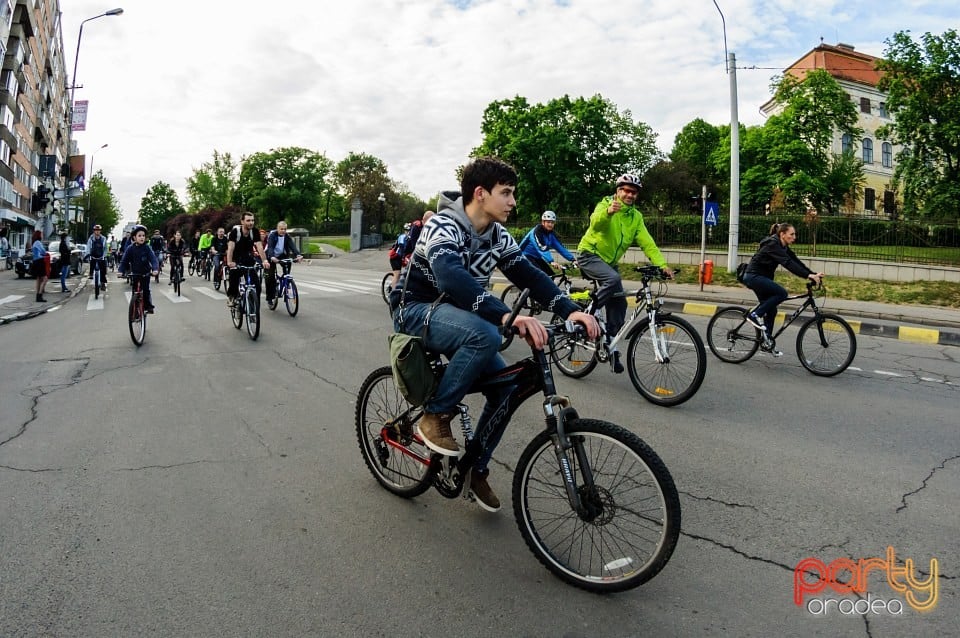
[[208, 485]]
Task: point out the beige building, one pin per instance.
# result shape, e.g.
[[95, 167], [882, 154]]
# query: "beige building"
[[857, 75], [34, 131]]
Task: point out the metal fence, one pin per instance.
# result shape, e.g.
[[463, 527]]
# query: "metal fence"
[[828, 237]]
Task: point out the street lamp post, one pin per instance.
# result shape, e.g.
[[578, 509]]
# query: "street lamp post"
[[88, 214], [733, 242], [383, 200]]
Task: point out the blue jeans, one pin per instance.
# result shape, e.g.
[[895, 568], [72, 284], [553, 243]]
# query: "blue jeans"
[[769, 293], [471, 345], [64, 273], [608, 277]]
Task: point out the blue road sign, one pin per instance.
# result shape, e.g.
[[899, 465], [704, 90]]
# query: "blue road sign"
[[711, 214]]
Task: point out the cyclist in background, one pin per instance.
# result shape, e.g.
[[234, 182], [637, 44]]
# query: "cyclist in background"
[[774, 251], [537, 243], [243, 248], [218, 249], [614, 226], [97, 249], [159, 248], [279, 246], [445, 290], [176, 248], [139, 259], [203, 247], [396, 255]]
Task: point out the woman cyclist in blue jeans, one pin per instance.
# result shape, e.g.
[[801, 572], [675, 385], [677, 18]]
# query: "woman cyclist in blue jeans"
[[774, 251]]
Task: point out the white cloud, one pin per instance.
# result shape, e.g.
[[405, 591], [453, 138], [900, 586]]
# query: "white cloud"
[[407, 81]]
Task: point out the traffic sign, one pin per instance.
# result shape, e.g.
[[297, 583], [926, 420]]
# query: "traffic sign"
[[67, 193], [711, 213]]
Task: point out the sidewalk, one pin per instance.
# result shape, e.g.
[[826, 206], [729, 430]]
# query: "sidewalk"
[[918, 324]]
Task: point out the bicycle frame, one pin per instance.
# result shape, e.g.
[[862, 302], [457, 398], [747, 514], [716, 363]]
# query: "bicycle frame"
[[527, 377], [809, 302]]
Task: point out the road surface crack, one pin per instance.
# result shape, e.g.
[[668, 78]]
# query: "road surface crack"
[[923, 484]]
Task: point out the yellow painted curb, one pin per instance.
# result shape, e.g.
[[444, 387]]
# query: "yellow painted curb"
[[705, 309], [918, 335], [854, 325]]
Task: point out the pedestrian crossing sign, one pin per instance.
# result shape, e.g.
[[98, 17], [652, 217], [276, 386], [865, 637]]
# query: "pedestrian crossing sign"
[[711, 214]]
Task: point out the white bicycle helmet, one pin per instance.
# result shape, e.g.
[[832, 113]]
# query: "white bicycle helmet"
[[629, 180], [548, 216]]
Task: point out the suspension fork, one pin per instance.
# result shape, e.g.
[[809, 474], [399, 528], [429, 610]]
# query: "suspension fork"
[[562, 444]]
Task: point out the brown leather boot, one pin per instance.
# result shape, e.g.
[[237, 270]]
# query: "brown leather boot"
[[434, 429], [482, 491]]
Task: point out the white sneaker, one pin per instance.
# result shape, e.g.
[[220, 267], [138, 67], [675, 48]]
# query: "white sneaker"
[[756, 321]]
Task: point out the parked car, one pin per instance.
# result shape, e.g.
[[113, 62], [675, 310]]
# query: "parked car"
[[76, 257], [22, 265]]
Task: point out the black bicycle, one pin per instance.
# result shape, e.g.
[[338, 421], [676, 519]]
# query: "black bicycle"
[[286, 289], [594, 503], [532, 307], [666, 358], [826, 344], [97, 275], [136, 310], [247, 304], [176, 274]]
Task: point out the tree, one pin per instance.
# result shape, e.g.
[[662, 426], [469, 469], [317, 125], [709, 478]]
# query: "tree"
[[286, 183], [922, 82], [567, 152], [693, 146], [101, 204], [363, 176], [213, 185], [159, 204]]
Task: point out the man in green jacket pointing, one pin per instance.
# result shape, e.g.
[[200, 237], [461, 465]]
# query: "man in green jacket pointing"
[[614, 226]]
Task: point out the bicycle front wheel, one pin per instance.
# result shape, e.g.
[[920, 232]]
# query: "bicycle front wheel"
[[633, 519], [826, 345], [192, 269], [291, 298], [676, 377], [510, 295], [730, 337], [251, 308], [137, 319], [385, 287], [386, 431], [236, 313], [574, 355], [96, 283]]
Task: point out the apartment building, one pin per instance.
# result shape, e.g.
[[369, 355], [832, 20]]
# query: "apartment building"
[[857, 75], [34, 105]]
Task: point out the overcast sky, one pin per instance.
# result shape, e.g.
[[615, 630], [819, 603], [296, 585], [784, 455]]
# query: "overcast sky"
[[407, 81]]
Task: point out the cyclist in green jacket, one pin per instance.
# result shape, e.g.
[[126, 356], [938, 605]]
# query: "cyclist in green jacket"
[[614, 226]]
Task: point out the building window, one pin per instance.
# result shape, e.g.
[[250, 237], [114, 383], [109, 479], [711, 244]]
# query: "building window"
[[846, 143], [869, 199], [867, 150], [864, 105], [890, 204], [887, 154], [883, 110]]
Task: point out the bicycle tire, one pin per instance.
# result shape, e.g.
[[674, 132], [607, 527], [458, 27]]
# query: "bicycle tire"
[[137, 319], [636, 530], [403, 464], [207, 267], [681, 373], [252, 311], [510, 295], [573, 355], [176, 280], [192, 268], [96, 283], [237, 312], [840, 349], [385, 287], [726, 338], [291, 298]]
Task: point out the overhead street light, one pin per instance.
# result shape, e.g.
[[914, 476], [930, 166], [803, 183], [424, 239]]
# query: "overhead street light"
[[76, 56], [733, 241]]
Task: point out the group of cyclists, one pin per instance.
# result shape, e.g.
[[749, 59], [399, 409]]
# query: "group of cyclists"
[[443, 293]]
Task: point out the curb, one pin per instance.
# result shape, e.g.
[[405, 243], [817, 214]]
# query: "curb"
[[910, 334], [52, 307]]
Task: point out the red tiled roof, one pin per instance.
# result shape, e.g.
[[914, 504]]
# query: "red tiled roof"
[[841, 62]]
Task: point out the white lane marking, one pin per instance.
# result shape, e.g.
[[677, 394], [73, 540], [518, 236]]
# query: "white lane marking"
[[304, 284], [10, 298], [341, 286], [887, 374], [213, 294], [172, 296], [94, 304]]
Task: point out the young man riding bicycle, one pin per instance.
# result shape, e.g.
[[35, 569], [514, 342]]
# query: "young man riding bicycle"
[[614, 226], [243, 248], [445, 288], [97, 249], [279, 246], [139, 259]]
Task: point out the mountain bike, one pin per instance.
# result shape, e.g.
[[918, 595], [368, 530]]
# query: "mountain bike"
[[176, 274], [531, 306], [220, 272], [136, 310], [826, 344], [192, 266], [286, 289], [594, 503], [206, 266], [666, 358], [247, 304], [161, 260], [97, 275]]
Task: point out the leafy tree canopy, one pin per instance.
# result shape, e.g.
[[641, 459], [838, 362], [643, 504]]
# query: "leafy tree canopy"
[[213, 185], [101, 204], [159, 204], [286, 183], [567, 152]]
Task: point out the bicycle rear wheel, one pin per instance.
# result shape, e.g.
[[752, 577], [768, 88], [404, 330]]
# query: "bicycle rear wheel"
[[385, 287], [574, 355], [826, 345], [137, 319], [635, 520], [193, 267], [510, 295], [177, 277], [96, 283], [386, 432], [730, 337], [680, 374], [291, 298], [251, 308], [236, 313]]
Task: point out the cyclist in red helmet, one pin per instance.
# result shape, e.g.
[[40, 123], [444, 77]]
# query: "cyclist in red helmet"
[[614, 226]]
